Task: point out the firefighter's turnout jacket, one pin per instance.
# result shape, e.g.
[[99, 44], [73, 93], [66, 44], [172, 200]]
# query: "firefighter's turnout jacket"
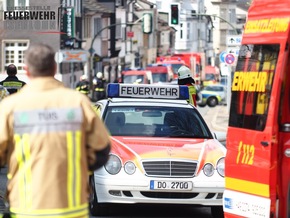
[[48, 142], [12, 84]]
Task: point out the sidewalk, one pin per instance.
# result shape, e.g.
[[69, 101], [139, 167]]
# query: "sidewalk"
[[221, 119]]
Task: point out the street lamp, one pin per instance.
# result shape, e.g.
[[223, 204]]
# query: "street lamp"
[[214, 15], [147, 26]]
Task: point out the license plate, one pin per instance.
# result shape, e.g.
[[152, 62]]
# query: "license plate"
[[170, 185]]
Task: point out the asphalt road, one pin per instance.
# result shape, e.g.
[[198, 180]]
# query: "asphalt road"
[[158, 211]]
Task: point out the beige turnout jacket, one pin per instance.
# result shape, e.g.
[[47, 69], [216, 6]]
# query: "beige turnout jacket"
[[48, 134]]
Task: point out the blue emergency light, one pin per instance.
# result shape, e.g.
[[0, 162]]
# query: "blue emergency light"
[[147, 91]]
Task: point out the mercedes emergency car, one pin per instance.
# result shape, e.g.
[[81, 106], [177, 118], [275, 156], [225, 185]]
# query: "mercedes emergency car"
[[162, 151]]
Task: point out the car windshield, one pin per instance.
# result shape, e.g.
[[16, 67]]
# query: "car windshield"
[[133, 79], [155, 122], [209, 77], [175, 67], [159, 77], [214, 88]]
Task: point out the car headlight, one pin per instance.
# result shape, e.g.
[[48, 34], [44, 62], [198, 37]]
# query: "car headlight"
[[113, 165], [129, 167], [220, 167], [208, 169]]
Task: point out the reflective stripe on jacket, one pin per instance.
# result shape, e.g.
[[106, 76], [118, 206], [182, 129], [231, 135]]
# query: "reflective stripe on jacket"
[[12, 84], [192, 94], [47, 131]]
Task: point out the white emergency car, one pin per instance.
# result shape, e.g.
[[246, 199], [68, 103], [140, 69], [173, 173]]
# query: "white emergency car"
[[162, 151]]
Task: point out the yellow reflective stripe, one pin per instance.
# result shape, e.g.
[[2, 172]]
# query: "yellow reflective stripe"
[[74, 168], [80, 211], [22, 148], [19, 157], [78, 180], [28, 176], [248, 186], [70, 176]]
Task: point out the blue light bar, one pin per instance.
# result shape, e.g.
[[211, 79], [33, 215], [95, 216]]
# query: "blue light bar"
[[147, 91]]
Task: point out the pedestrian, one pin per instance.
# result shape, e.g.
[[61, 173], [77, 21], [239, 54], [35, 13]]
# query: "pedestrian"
[[100, 87], [12, 83], [51, 140], [185, 78], [3, 93], [83, 85]]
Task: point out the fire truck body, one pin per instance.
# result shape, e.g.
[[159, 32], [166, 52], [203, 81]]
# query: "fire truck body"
[[257, 164]]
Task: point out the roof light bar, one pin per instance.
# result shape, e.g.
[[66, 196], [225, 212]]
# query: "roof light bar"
[[147, 91]]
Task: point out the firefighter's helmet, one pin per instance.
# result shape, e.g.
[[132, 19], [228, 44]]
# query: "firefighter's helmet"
[[184, 72], [99, 75], [83, 77]]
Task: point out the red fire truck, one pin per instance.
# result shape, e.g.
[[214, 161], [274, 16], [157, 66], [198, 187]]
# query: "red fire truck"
[[174, 65], [257, 164], [160, 73], [136, 76], [195, 61]]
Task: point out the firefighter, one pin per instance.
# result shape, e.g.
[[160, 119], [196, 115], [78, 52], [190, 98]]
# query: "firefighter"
[[83, 85], [100, 84], [184, 78], [51, 140], [12, 83]]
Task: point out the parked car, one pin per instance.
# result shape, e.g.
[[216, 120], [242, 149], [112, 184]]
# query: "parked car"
[[213, 95], [162, 151]]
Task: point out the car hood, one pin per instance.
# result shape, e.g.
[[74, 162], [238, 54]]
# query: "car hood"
[[143, 148]]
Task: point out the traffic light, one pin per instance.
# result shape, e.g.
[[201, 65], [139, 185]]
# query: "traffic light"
[[137, 60], [147, 23], [174, 14]]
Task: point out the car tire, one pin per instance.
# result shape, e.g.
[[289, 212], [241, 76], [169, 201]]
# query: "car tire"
[[96, 209], [217, 212], [212, 101]]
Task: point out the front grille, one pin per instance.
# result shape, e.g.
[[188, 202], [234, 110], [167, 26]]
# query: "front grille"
[[169, 168]]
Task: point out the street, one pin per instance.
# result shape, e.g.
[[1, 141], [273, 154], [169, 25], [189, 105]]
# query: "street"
[[160, 211], [217, 119]]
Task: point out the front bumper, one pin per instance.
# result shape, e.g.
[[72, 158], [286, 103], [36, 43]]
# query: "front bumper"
[[206, 191]]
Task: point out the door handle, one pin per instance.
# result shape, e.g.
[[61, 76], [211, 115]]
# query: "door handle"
[[264, 143], [287, 152]]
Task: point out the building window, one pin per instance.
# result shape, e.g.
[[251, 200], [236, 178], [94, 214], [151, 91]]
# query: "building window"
[[209, 35], [97, 25], [87, 27], [77, 7], [118, 29], [188, 32], [14, 53], [232, 15], [223, 37], [223, 14], [10, 4], [159, 5]]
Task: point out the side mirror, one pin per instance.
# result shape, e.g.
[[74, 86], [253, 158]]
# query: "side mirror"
[[220, 136]]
